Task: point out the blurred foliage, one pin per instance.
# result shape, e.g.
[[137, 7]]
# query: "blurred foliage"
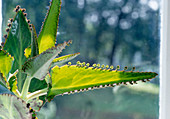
[[117, 32]]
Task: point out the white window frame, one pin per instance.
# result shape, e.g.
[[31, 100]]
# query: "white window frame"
[[165, 61]]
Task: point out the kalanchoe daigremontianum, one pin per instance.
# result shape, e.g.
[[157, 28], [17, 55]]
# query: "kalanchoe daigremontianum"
[[29, 66]]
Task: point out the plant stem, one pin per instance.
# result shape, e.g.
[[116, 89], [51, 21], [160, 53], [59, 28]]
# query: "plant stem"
[[37, 94], [17, 93], [26, 87]]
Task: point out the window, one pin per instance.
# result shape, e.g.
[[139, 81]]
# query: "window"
[[113, 32]]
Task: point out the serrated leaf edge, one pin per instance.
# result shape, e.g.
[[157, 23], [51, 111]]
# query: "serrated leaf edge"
[[11, 21], [109, 69]]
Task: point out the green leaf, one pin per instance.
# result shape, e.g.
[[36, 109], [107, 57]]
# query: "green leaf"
[[37, 84], [47, 36], [74, 78], [18, 40], [38, 66], [6, 62], [12, 107], [63, 59], [32, 50]]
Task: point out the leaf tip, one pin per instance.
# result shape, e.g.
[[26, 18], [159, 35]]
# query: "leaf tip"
[[25, 14], [9, 25], [23, 9], [2, 44], [17, 8], [11, 20], [111, 67], [69, 63], [87, 65], [133, 68], [118, 67], [7, 30], [28, 21], [94, 65], [125, 68]]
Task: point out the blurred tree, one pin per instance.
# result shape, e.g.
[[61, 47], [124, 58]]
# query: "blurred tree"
[[114, 32]]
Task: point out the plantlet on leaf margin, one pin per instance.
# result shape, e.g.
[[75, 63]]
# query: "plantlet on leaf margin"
[[30, 65]]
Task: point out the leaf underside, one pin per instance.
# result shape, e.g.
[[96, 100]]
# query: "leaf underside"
[[69, 79], [47, 36], [38, 66], [12, 107], [18, 40]]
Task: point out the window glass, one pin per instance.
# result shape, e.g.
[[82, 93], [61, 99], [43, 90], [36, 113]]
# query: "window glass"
[[109, 32]]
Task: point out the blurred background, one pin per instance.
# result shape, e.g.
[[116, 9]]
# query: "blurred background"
[[113, 32]]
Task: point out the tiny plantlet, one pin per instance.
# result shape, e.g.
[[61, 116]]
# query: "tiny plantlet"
[[29, 67]]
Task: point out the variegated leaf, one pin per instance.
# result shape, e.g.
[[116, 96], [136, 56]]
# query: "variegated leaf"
[[47, 36], [75, 78]]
